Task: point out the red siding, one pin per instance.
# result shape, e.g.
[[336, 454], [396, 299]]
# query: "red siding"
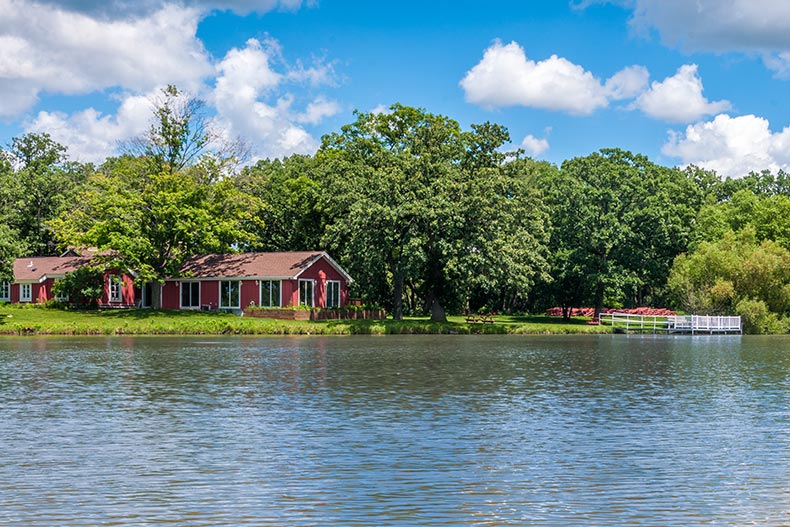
[[321, 271], [250, 293], [170, 296], [209, 294], [290, 293]]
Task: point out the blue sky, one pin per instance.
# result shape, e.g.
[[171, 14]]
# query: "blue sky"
[[682, 81]]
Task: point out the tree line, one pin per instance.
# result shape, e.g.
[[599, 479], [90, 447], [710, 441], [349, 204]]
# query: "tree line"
[[429, 218]]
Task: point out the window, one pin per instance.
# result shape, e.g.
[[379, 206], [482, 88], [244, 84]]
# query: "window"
[[25, 292], [114, 288], [332, 293], [229, 294], [270, 293], [306, 293], [5, 291], [190, 295]]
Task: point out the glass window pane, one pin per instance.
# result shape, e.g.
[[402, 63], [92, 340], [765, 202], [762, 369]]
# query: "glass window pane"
[[275, 288]]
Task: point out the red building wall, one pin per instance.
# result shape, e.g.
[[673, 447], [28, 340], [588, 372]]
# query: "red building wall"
[[171, 298], [250, 293], [320, 272]]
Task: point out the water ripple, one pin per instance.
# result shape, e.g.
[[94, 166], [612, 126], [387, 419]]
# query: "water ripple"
[[440, 431]]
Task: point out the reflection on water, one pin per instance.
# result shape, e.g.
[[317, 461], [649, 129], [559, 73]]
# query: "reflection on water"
[[594, 430]]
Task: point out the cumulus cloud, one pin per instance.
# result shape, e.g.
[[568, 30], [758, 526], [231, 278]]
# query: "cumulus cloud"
[[252, 101], [534, 146], [732, 146], [679, 98], [114, 9], [719, 25], [92, 136], [506, 77], [627, 83], [750, 26], [49, 49]]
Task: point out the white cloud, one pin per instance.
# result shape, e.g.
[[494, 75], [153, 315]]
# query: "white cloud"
[[48, 49], [91, 136], [748, 26], [732, 146], [679, 98], [114, 9], [627, 83], [534, 146], [317, 110], [719, 25], [506, 77], [252, 102]]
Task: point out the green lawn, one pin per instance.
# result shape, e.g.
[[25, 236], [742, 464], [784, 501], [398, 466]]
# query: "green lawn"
[[35, 320]]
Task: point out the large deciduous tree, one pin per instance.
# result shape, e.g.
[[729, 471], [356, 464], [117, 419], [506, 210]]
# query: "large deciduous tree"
[[415, 200], [36, 183], [148, 213], [619, 220]]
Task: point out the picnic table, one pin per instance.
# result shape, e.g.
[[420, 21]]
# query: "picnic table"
[[480, 319]]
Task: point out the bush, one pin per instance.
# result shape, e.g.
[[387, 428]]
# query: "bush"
[[757, 318]]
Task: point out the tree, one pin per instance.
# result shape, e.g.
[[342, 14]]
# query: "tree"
[[150, 212], [84, 286], [152, 222], [290, 190], [618, 221], [411, 193], [181, 135], [35, 186], [737, 274]]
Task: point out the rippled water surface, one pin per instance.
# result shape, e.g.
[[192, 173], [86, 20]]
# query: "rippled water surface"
[[596, 430]]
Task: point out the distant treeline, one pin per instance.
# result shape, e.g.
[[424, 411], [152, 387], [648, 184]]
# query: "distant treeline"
[[426, 216]]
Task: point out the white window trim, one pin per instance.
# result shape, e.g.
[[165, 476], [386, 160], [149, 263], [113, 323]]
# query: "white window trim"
[[221, 299], [114, 288], [181, 296], [23, 288], [312, 289], [260, 292], [5, 291], [326, 301]]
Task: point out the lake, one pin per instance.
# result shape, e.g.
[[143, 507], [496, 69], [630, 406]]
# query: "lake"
[[395, 431]]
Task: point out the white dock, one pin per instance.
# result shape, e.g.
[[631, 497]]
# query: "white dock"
[[688, 324]]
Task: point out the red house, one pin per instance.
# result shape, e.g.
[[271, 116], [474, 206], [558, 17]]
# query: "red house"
[[33, 279], [236, 281]]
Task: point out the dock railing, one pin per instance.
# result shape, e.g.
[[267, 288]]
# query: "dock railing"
[[671, 324]]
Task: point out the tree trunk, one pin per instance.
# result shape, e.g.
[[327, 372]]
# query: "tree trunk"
[[397, 294], [437, 311], [599, 288], [156, 295]]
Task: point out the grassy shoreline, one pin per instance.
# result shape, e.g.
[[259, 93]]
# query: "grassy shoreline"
[[35, 320]]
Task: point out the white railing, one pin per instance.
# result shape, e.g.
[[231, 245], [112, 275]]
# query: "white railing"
[[676, 323], [705, 323]]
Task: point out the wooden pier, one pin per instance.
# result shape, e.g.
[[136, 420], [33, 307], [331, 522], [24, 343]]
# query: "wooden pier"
[[684, 324]]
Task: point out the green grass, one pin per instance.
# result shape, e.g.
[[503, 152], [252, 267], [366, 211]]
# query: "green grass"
[[36, 320]]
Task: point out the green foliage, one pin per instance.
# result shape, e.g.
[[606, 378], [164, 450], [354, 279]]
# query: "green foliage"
[[619, 220], [84, 286], [290, 218], [36, 183], [411, 193], [153, 222], [735, 275]]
